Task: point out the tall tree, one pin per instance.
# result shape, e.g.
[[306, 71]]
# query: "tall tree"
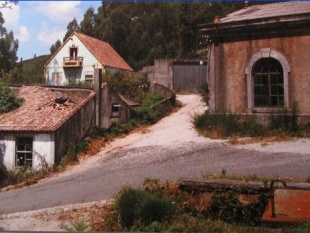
[[72, 26], [87, 25], [55, 46], [8, 48]]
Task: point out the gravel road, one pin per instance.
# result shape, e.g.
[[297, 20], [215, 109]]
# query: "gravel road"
[[168, 150]]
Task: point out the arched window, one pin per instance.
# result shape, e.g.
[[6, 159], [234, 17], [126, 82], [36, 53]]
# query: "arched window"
[[268, 83], [267, 75]]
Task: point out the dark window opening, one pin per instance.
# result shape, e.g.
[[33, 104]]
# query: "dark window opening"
[[73, 52], [268, 83], [24, 151], [116, 107]]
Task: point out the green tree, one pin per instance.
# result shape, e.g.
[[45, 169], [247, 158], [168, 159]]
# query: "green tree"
[[87, 25], [55, 46], [72, 26], [8, 100], [8, 48]]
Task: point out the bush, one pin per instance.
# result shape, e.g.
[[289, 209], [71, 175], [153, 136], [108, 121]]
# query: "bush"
[[134, 86], [136, 206], [8, 100], [150, 110]]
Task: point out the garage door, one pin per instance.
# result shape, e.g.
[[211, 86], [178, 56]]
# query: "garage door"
[[189, 76]]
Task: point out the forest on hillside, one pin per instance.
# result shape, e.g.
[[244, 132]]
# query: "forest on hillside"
[[139, 31], [143, 31]]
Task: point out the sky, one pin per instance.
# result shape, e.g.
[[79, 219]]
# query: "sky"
[[39, 24]]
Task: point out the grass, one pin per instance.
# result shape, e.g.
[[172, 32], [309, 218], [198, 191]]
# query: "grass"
[[264, 180]]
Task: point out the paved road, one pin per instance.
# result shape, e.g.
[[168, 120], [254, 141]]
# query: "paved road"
[[169, 150]]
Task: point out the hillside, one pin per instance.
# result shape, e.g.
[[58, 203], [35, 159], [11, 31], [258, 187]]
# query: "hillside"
[[33, 70]]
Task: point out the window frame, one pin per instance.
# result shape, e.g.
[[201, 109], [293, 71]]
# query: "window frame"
[[268, 83], [24, 152], [266, 53]]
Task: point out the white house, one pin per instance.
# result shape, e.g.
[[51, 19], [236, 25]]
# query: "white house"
[[48, 122], [77, 58]]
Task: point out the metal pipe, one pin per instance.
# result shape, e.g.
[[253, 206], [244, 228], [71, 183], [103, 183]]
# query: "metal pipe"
[[273, 210]]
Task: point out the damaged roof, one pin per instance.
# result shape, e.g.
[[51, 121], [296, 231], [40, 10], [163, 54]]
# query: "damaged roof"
[[44, 109], [268, 10]]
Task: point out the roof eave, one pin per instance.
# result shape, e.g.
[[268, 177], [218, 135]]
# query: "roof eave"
[[215, 28]]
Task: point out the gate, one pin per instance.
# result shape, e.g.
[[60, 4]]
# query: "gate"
[[189, 76]]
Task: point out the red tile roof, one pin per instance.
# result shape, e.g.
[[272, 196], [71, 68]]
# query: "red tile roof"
[[40, 112], [103, 52]]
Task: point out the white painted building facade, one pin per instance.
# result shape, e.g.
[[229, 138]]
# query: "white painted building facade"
[[39, 146], [77, 58]]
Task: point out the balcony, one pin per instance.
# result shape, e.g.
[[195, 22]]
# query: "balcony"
[[73, 61]]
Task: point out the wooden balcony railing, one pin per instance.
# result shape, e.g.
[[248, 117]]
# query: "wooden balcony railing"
[[73, 61]]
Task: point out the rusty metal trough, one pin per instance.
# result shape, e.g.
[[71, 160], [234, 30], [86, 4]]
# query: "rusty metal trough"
[[287, 205]]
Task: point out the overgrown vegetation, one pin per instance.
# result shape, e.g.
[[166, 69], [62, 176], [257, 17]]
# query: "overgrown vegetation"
[[174, 207], [8, 100], [228, 125], [134, 86]]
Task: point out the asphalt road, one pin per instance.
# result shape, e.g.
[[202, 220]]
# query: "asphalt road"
[[131, 163]]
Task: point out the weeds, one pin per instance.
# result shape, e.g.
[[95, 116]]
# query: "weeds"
[[227, 125], [222, 210], [80, 226]]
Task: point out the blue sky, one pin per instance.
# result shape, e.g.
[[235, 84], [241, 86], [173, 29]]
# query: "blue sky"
[[38, 24]]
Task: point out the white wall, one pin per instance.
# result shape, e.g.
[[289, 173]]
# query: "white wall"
[[43, 147], [56, 64]]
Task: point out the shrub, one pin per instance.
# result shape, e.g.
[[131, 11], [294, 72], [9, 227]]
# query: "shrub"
[[136, 206], [96, 131], [134, 86], [150, 110], [8, 100]]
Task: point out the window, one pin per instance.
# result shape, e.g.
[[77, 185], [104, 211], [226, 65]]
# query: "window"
[[267, 75], [24, 151], [268, 83], [56, 78], [115, 109], [89, 79], [73, 53]]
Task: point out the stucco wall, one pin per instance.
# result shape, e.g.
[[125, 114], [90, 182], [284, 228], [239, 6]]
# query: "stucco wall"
[[56, 63], [229, 85], [43, 149]]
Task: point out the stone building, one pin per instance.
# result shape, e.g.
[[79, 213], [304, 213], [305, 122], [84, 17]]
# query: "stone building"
[[259, 59]]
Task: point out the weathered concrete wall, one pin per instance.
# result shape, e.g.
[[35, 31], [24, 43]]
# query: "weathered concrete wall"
[[107, 115], [74, 129], [229, 84], [161, 72]]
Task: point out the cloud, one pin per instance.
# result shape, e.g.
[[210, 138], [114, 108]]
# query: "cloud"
[[11, 17], [59, 11], [23, 34], [49, 35]]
